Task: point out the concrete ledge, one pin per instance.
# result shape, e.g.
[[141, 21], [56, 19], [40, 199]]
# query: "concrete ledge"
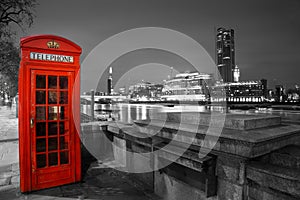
[[179, 182], [255, 192], [228, 120], [246, 143], [285, 180]]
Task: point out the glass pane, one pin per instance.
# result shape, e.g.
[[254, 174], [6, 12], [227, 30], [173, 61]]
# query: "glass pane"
[[64, 157], [40, 97], [40, 81], [63, 143], [52, 97], [52, 128], [61, 128], [40, 113], [41, 145], [53, 160], [63, 82], [53, 112], [52, 144], [41, 160], [52, 82], [40, 129], [63, 97], [63, 112]]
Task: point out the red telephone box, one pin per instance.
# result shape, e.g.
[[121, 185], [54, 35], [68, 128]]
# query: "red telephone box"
[[49, 100]]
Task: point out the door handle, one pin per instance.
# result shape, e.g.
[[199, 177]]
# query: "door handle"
[[31, 122]]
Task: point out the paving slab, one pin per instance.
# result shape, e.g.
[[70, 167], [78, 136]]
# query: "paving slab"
[[9, 153], [8, 124]]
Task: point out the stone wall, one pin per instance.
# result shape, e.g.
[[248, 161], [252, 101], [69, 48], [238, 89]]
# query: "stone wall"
[[227, 172]]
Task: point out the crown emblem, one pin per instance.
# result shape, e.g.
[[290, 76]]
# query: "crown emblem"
[[52, 44]]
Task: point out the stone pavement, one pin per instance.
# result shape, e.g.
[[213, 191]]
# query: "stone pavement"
[[9, 148]]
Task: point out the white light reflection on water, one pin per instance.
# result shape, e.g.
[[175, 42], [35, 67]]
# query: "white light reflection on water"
[[129, 112]]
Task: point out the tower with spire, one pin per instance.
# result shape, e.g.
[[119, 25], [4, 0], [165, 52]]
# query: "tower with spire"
[[109, 82]]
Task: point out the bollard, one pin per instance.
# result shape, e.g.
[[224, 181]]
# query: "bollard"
[[92, 105]]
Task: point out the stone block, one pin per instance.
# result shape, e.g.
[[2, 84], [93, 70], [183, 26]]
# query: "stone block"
[[146, 179], [186, 157], [228, 173], [228, 190], [288, 157], [285, 160], [249, 122], [231, 169], [280, 179], [258, 193], [119, 149], [254, 193], [168, 187], [138, 163]]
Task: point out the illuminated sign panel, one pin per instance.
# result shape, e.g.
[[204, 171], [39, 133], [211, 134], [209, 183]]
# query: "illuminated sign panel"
[[51, 57]]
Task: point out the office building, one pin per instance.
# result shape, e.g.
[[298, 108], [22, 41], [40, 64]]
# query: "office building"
[[225, 54], [145, 91], [189, 86], [247, 91]]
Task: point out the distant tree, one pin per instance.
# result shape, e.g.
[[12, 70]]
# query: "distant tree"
[[21, 14], [9, 65], [9, 59]]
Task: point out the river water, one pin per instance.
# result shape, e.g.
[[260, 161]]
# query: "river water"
[[128, 112]]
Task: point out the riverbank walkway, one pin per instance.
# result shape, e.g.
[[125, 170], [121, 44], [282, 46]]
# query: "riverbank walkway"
[[9, 148]]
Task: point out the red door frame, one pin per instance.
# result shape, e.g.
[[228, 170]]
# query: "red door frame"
[[46, 46]]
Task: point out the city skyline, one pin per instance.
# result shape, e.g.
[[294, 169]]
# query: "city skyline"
[[265, 32]]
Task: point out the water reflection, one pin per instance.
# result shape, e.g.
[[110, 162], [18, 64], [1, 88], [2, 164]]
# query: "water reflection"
[[130, 112]]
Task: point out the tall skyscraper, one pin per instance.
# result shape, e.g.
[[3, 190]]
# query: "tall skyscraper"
[[109, 81], [225, 55]]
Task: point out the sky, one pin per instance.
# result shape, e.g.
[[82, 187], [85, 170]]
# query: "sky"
[[266, 34]]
